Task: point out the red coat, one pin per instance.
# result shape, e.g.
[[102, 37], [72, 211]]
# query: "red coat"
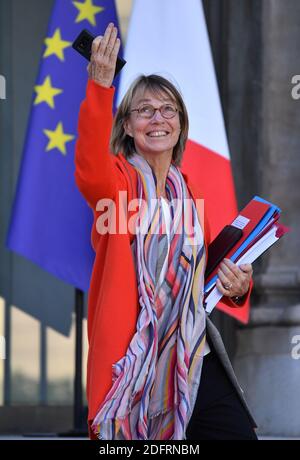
[[113, 298]]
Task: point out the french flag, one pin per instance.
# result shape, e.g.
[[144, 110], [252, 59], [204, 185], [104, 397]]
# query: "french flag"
[[169, 37]]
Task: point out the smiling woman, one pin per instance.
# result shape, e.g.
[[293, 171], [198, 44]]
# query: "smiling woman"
[[133, 127], [148, 331], [152, 122]]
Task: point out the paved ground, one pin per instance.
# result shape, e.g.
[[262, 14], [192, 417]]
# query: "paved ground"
[[41, 438], [269, 438], [55, 438]]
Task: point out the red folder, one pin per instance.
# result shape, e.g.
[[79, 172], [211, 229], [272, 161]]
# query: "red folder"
[[260, 235], [254, 211]]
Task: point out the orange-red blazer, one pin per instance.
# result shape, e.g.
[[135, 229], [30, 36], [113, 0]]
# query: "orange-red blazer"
[[113, 298]]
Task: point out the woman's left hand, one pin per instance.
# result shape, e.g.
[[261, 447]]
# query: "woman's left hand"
[[233, 281]]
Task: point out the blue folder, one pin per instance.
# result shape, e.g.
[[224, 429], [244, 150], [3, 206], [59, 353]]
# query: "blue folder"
[[261, 224]]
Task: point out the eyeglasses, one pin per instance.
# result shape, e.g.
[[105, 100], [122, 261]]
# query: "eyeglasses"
[[147, 111]]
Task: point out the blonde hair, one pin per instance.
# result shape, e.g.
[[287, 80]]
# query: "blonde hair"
[[121, 142]]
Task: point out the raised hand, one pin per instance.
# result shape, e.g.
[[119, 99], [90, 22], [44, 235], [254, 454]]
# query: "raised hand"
[[105, 51]]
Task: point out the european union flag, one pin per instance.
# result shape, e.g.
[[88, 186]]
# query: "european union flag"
[[51, 223]]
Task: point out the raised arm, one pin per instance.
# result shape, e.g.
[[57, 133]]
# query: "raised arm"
[[96, 174]]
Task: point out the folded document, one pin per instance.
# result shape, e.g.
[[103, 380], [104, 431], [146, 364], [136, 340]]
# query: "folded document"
[[260, 228]]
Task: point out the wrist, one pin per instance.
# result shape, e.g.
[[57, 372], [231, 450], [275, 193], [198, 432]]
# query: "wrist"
[[101, 83]]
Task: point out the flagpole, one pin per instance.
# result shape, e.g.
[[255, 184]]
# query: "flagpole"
[[78, 404], [79, 419]]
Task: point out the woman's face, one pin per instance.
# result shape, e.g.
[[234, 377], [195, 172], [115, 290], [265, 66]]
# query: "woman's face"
[[157, 134]]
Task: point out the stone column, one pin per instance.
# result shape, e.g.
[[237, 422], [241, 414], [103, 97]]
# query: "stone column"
[[266, 359]]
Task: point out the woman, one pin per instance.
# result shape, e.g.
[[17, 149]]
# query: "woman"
[[149, 338]]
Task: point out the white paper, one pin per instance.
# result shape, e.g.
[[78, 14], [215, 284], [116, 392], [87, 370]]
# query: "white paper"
[[240, 222], [252, 254]]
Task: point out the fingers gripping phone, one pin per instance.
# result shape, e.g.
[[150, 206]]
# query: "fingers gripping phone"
[[83, 44]]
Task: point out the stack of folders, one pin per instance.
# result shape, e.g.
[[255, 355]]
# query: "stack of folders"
[[254, 230]]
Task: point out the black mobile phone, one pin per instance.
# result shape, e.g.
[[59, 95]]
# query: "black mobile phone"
[[83, 44], [220, 246]]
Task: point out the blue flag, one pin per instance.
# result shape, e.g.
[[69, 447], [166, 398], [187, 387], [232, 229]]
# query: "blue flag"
[[50, 222]]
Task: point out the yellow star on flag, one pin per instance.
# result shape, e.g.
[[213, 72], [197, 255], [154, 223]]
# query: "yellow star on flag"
[[46, 92], [87, 11], [58, 139], [55, 45]]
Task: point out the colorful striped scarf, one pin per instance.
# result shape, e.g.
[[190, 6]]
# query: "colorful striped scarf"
[[155, 384]]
